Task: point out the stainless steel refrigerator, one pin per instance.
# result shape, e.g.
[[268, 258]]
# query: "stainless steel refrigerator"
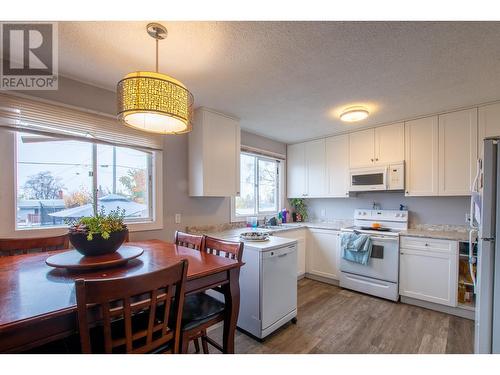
[[485, 217]]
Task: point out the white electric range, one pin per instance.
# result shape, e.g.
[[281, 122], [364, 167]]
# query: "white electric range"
[[380, 277]]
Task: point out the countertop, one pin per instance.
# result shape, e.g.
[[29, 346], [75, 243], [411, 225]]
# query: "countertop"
[[233, 234], [438, 234], [273, 242], [274, 230]]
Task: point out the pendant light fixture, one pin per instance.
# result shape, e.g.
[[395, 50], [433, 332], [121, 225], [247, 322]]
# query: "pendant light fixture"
[[152, 101]]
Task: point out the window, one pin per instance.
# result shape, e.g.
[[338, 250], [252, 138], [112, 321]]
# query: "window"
[[123, 180], [60, 179], [259, 186]]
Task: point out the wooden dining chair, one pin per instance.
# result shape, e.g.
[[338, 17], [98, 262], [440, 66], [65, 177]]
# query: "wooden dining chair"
[[202, 310], [192, 241], [13, 246], [129, 311], [196, 242]]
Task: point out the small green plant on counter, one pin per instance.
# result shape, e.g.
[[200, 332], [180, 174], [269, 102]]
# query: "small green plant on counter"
[[102, 223], [299, 206]]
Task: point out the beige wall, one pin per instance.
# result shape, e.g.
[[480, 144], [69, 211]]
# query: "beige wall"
[[194, 211]]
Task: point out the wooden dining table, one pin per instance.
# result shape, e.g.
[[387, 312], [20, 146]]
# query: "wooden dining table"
[[38, 302]]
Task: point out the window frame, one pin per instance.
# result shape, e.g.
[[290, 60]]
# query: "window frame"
[[280, 189], [8, 198]]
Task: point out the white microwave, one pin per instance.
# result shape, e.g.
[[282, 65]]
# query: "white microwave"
[[383, 177]]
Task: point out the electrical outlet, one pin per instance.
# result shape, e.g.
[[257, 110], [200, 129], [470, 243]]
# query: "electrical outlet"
[[177, 218]]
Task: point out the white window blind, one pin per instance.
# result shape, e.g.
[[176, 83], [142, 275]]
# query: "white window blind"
[[19, 113]]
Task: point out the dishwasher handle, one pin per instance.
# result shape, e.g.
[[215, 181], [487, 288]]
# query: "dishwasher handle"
[[280, 252]]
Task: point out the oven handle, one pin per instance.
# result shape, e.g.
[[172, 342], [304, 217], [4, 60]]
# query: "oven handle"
[[383, 238]]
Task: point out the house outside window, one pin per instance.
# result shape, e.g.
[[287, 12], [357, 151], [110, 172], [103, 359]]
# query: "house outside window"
[[59, 179]]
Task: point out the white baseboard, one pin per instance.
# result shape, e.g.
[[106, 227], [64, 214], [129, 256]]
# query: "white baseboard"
[[457, 311]]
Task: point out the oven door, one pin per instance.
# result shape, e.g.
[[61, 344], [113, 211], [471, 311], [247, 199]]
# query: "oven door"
[[383, 263], [367, 179]]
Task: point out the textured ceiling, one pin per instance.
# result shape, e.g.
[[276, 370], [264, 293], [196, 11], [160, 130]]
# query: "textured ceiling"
[[287, 80]]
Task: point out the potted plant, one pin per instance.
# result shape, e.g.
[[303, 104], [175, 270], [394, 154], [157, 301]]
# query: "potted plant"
[[99, 234], [300, 209]]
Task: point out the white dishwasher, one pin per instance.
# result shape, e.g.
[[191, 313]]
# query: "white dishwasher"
[[278, 285], [268, 286]]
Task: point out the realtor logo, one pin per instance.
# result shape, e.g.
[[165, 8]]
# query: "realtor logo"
[[29, 56]]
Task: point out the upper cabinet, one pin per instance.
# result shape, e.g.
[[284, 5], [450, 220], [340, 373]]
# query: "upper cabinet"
[[296, 171], [390, 144], [362, 148], [214, 155], [489, 124], [306, 169], [441, 154], [382, 145], [315, 168], [457, 151], [337, 166], [421, 156]]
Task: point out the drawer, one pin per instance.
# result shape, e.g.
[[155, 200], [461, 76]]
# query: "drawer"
[[428, 244]]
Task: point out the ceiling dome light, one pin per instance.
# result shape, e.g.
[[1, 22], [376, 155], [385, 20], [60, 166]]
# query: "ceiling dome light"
[[353, 114], [152, 101]]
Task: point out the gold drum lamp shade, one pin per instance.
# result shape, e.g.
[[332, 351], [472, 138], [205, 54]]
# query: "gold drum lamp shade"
[[155, 102]]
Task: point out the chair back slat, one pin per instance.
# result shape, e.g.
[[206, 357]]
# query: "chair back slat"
[[151, 322], [189, 240], [128, 323], [14, 246], [108, 340], [127, 302], [166, 314], [228, 249]]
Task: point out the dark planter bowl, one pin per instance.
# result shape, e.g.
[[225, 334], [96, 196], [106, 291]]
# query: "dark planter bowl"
[[98, 245]]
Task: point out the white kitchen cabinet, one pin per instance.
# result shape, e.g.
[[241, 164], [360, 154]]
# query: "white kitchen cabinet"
[[361, 148], [214, 155], [296, 171], [421, 157], [489, 124], [315, 168], [323, 253], [337, 166], [306, 169], [457, 151], [379, 146], [301, 236], [390, 144], [429, 270]]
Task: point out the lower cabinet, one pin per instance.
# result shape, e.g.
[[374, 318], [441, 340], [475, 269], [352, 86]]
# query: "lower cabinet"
[[429, 270], [301, 236], [323, 253]]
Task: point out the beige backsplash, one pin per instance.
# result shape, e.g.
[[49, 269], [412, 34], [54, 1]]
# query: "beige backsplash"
[[440, 227], [201, 229]]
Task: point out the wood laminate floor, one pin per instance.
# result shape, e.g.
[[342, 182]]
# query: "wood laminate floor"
[[336, 320]]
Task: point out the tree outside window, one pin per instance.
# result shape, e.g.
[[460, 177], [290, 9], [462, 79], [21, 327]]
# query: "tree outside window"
[[259, 186]]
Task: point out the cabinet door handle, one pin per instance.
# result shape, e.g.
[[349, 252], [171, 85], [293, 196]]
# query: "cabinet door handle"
[[371, 160], [376, 159]]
